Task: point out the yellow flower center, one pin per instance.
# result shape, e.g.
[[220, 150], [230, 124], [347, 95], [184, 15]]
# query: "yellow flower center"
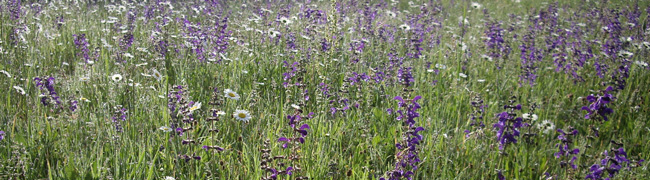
[[231, 94], [241, 115]]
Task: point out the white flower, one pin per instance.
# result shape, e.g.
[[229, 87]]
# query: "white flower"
[[285, 21], [295, 106], [481, 80], [273, 33], [231, 94], [165, 129], [116, 77], [220, 113], [486, 57], [242, 115], [6, 73], [84, 79], [462, 75], [441, 66], [84, 99], [405, 27], [157, 75], [529, 116], [19, 90], [195, 107], [546, 126], [391, 14], [430, 70], [641, 63], [169, 178], [476, 5]]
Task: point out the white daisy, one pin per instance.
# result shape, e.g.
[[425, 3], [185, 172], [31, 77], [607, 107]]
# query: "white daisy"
[[530, 116], [84, 79], [441, 66], [641, 63], [285, 21], [476, 5], [157, 75], [84, 99], [195, 107], [242, 115], [405, 27], [116, 77], [391, 14], [165, 129], [546, 126], [19, 90], [5, 73], [231, 94]]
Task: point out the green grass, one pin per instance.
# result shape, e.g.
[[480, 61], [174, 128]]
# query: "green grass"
[[43, 143]]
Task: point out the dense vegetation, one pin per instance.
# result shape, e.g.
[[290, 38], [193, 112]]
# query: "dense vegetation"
[[441, 89]]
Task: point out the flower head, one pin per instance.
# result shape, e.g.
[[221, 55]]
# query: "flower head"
[[242, 115], [405, 27], [231, 94], [116, 77], [165, 129], [20, 90], [195, 107], [546, 126], [157, 75]]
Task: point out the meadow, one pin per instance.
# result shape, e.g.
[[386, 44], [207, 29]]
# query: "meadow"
[[439, 89]]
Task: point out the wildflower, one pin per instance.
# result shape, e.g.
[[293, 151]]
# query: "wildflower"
[[242, 115], [169, 178], [532, 117], [231, 94], [391, 14], [2, 135], [463, 75], [405, 27], [20, 90], [295, 106], [220, 113], [165, 129], [157, 75], [285, 21], [546, 126], [84, 79], [195, 107], [641, 63], [441, 66], [116, 77], [273, 33], [5, 73], [476, 5]]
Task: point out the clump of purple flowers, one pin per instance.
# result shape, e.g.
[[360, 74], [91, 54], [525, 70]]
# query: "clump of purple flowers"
[[407, 150], [598, 105], [50, 96], [119, 115], [565, 147], [476, 118], [82, 44], [508, 125], [610, 164]]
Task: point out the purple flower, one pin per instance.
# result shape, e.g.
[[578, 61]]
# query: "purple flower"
[[599, 105], [2, 135]]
